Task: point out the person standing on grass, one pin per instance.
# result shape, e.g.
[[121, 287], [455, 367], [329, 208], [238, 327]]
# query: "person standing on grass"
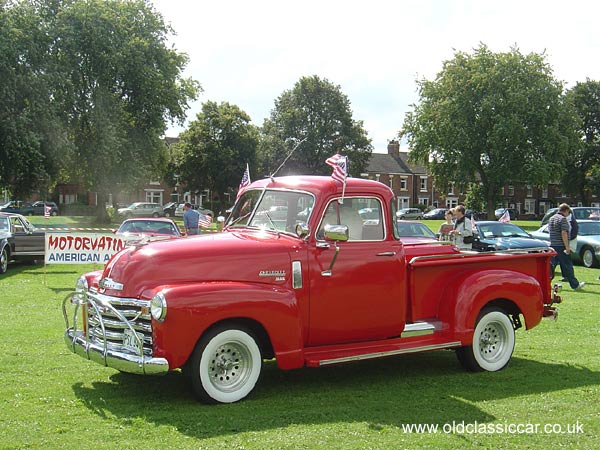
[[559, 229], [190, 219], [463, 231], [446, 227]]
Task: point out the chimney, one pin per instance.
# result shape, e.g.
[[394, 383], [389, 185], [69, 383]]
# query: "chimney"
[[394, 148]]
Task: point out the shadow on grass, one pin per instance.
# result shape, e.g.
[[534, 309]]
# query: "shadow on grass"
[[427, 388]]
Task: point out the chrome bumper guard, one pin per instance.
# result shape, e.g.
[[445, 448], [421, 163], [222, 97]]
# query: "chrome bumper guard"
[[78, 341]]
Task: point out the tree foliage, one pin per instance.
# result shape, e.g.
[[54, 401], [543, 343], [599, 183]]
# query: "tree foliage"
[[213, 152], [110, 82], [582, 168], [33, 141], [316, 111], [493, 118]]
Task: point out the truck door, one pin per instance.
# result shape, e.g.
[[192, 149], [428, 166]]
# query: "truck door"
[[363, 298]]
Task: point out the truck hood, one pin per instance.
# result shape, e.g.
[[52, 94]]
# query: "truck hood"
[[238, 256]]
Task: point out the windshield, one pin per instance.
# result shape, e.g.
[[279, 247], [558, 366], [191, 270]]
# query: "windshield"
[[271, 210], [498, 230], [3, 223]]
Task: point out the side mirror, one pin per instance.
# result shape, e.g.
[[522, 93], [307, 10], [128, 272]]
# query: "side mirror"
[[336, 233], [302, 230]]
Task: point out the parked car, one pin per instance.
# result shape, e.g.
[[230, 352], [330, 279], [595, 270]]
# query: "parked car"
[[580, 212], [19, 240], [477, 215], [492, 236], [370, 214], [149, 229], [409, 214], [140, 209], [38, 209], [410, 231], [13, 206], [513, 213], [206, 212], [169, 209], [435, 214], [587, 251]]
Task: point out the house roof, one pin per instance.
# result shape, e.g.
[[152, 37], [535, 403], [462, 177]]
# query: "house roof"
[[386, 163]]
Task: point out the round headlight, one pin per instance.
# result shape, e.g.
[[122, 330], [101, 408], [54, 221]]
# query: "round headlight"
[[158, 307]]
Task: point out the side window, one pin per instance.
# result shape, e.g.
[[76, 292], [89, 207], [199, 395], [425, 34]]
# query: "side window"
[[362, 216]]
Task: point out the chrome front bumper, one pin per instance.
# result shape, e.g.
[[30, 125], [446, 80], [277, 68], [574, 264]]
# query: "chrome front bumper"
[[102, 348], [125, 362]]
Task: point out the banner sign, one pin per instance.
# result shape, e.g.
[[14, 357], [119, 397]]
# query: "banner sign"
[[81, 248]]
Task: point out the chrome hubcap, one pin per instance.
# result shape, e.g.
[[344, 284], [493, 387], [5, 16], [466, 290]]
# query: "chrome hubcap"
[[230, 366], [491, 341]]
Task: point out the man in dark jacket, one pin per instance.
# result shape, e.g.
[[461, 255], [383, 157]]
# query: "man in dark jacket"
[[559, 229]]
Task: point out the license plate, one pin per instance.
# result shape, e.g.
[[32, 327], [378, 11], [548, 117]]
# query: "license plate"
[[130, 342]]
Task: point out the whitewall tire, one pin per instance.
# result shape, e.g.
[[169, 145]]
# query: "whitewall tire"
[[493, 343], [225, 365]]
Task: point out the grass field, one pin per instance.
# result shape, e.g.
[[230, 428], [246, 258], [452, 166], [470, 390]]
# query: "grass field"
[[546, 398]]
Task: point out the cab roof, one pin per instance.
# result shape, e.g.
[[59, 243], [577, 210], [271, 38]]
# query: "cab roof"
[[323, 185]]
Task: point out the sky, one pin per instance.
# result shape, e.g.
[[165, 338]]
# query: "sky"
[[248, 53]]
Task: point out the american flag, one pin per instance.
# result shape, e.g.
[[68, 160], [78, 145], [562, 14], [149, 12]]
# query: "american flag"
[[473, 226], [505, 217], [47, 210], [245, 180], [340, 167], [204, 220]]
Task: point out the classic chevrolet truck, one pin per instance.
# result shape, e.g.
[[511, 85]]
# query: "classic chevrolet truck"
[[311, 273]]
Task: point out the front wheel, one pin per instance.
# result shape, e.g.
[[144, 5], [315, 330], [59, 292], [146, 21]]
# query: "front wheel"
[[3, 260], [588, 257], [493, 343], [225, 365]]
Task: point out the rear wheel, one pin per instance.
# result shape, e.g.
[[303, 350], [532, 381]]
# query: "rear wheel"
[[225, 365], [155, 214], [588, 257], [493, 343]]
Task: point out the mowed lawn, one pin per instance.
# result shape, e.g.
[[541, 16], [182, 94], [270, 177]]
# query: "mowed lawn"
[[548, 396]]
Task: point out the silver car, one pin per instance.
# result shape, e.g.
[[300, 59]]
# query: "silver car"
[[141, 209], [409, 214]]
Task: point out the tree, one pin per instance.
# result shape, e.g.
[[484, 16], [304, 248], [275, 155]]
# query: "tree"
[[492, 118], [213, 152], [121, 84], [315, 110], [33, 140], [582, 172], [95, 78]]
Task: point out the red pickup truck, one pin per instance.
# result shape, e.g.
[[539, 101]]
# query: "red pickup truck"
[[298, 275]]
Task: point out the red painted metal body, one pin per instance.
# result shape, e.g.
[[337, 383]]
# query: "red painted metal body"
[[377, 290]]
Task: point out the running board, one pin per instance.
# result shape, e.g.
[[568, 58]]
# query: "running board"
[[400, 348]]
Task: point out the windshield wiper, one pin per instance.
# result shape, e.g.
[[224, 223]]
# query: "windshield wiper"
[[239, 218]]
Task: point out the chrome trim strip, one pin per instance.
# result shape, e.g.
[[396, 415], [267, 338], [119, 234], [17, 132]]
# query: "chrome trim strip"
[[296, 275], [423, 348], [469, 254]]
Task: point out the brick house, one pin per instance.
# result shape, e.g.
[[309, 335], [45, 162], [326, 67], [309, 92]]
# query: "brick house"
[[413, 186]]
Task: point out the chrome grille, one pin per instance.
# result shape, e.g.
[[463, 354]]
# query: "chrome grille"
[[109, 317]]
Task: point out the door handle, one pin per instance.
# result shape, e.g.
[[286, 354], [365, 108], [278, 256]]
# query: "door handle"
[[386, 254]]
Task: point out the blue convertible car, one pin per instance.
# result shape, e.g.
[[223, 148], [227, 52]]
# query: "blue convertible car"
[[493, 236]]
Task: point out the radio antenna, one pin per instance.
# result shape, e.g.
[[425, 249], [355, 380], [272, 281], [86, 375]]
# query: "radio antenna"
[[287, 157]]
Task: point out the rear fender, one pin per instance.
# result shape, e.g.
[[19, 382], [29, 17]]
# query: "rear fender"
[[469, 294], [193, 308]]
